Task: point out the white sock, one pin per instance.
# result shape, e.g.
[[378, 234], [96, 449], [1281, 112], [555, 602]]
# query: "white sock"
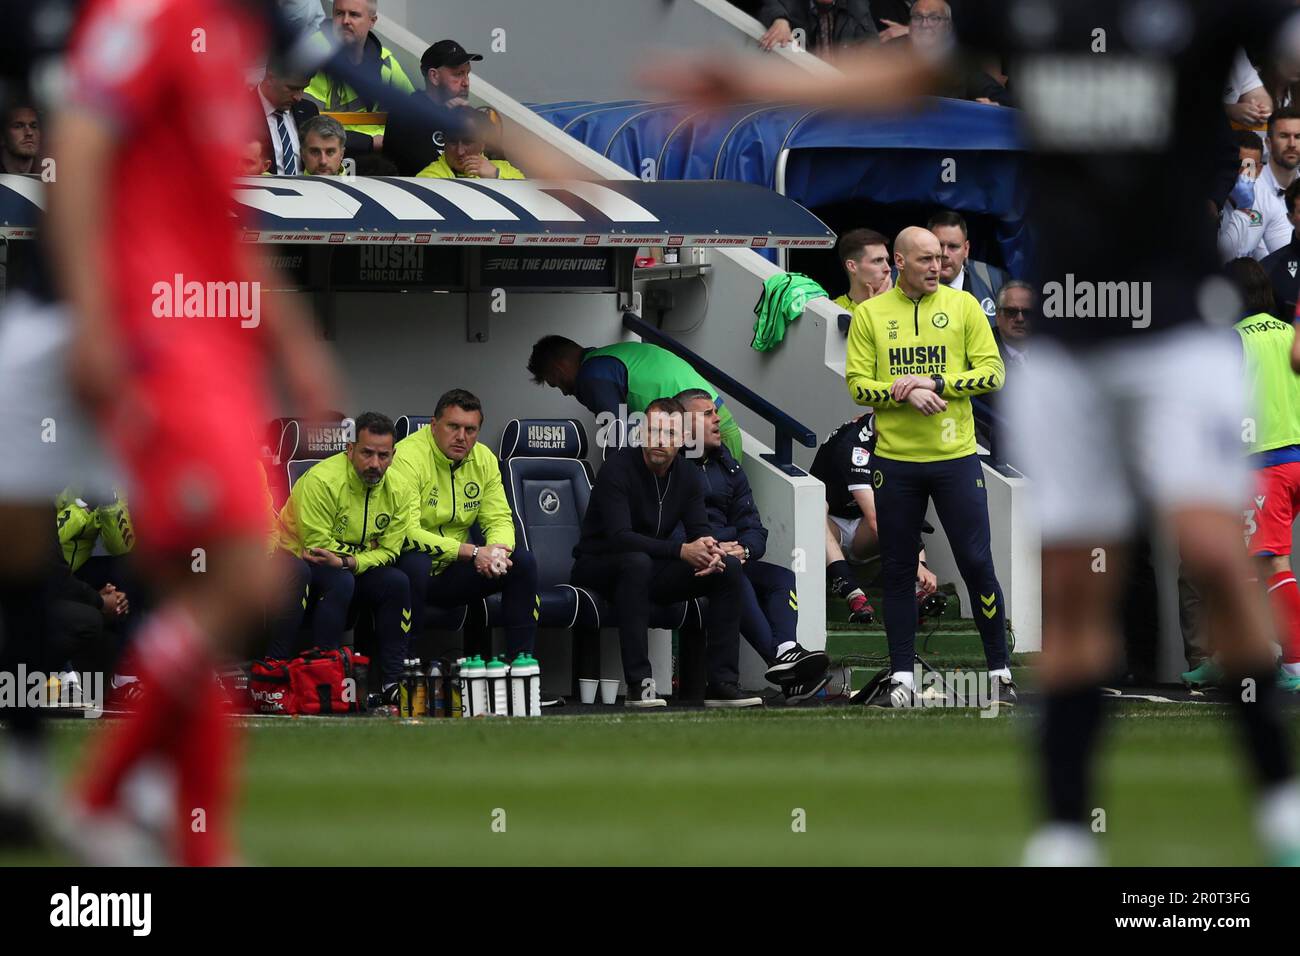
[[1278, 815], [856, 592], [1001, 672], [904, 677], [782, 648]]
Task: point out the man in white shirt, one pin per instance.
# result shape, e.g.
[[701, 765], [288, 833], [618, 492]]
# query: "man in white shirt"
[[957, 270], [1260, 225], [1245, 100], [280, 97]]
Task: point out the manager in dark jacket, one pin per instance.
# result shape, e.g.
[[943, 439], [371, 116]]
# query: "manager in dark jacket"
[[627, 554], [769, 604]]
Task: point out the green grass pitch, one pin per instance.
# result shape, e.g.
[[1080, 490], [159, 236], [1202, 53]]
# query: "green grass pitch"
[[688, 788]]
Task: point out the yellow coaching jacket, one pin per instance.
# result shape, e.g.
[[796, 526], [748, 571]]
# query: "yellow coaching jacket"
[[944, 333]]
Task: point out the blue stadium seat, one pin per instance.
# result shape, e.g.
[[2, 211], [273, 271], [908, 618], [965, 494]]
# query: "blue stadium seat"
[[404, 425], [548, 484]]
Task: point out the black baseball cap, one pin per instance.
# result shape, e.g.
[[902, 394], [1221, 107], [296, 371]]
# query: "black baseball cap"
[[446, 53]]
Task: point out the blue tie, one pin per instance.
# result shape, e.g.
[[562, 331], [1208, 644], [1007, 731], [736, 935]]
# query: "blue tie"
[[290, 165]]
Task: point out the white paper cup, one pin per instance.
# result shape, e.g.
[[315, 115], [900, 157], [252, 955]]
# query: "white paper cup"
[[608, 691], [587, 689]]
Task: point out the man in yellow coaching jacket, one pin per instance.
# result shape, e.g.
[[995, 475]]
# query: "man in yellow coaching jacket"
[[916, 355]]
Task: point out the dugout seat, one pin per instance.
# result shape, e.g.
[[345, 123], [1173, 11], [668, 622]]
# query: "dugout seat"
[[548, 485], [405, 425], [301, 440]]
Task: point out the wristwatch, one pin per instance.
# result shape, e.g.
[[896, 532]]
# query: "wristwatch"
[[473, 556], [938, 384]]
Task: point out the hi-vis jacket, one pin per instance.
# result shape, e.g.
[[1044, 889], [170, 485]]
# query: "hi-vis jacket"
[[450, 499], [334, 96], [944, 333], [332, 508]]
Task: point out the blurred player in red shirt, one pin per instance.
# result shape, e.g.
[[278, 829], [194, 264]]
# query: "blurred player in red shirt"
[[156, 117]]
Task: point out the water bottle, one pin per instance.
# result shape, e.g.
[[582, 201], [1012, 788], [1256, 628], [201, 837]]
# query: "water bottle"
[[497, 690], [420, 690], [526, 666], [519, 686], [457, 692], [475, 678], [437, 691], [405, 688]]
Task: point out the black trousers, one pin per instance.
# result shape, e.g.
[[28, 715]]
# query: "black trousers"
[[903, 488], [632, 581]]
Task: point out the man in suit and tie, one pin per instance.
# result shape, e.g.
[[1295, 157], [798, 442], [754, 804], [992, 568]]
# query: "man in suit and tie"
[[958, 270], [280, 100]]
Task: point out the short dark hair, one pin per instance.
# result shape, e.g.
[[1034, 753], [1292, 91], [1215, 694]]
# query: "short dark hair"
[[854, 242], [375, 423], [1292, 194], [375, 164], [283, 68], [461, 398], [690, 395], [946, 217], [547, 350], [1252, 282], [665, 404], [467, 124], [1285, 113], [1245, 139]]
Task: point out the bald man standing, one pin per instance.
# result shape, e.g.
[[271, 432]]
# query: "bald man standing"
[[916, 354]]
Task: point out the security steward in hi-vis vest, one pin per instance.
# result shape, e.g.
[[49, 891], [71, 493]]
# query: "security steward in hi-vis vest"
[[334, 96], [916, 355]]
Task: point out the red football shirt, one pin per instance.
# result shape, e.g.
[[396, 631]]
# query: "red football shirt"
[[168, 75]]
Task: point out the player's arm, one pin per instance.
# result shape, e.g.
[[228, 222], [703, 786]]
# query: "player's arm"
[[313, 510], [494, 514], [987, 372], [859, 369], [744, 516], [869, 77], [866, 499]]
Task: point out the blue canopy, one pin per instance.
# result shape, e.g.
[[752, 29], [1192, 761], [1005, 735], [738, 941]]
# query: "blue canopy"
[[964, 156], [466, 212]]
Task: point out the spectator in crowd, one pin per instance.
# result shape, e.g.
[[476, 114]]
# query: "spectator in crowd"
[[1240, 227], [958, 270], [1282, 83], [343, 528], [354, 21], [1245, 99], [1014, 322], [1259, 204], [930, 32], [323, 146], [280, 98], [411, 140], [627, 554], [864, 254], [619, 380], [255, 160], [457, 484], [463, 157], [842, 464], [826, 24], [1283, 265], [942, 353], [22, 141], [769, 603]]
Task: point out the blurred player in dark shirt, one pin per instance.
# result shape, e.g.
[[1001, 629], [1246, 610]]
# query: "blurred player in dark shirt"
[[1121, 109]]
